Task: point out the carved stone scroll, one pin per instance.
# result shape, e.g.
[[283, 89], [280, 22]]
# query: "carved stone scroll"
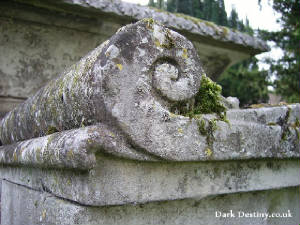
[[128, 85]]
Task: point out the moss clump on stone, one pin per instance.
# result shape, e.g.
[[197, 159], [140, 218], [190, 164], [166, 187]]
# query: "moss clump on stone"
[[296, 126], [187, 17], [208, 152], [201, 127], [170, 41], [208, 99], [283, 122], [169, 44], [297, 123], [210, 24], [149, 21], [51, 130], [225, 31], [207, 128]]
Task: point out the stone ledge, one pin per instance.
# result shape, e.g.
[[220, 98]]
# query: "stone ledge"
[[174, 21], [116, 181], [41, 207]]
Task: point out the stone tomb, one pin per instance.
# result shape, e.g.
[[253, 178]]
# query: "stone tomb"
[[102, 144]]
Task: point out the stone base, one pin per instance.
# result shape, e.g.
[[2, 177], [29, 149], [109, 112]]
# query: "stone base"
[[119, 191], [116, 181], [22, 205]]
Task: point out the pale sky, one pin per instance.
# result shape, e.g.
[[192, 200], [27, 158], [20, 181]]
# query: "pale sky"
[[263, 19], [259, 19]]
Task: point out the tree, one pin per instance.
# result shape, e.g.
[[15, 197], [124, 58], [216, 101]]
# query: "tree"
[[222, 15], [158, 4], [171, 6], [245, 81], [233, 19], [185, 7], [151, 3], [286, 69]]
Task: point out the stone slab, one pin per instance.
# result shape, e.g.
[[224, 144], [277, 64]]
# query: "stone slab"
[[116, 181], [27, 206]]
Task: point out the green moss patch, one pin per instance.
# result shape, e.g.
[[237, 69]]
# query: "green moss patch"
[[51, 130], [206, 101], [208, 98]]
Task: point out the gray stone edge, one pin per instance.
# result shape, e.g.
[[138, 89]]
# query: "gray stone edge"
[[192, 25]]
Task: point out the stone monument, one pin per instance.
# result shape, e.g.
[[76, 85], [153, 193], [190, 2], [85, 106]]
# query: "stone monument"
[[123, 137]]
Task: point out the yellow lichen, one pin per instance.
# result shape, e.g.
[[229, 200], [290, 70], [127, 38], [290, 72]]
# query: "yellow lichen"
[[70, 154], [157, 43], [44, 214], [225, 31], [33, 107], [180, 130], [210, 24], [168, 42], [193, 19], [172, 115], [120, 66], [208, 152], [149, 22], [15, 157], [111, 134], [38, 154], [184, 54], [89, 141], [261, 105]]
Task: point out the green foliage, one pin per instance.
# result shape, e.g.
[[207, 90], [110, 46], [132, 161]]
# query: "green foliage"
[[160, 4], [286, 69], [151, 3], [246, 82]]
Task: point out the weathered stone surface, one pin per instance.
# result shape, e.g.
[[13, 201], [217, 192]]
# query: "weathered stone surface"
[[70, 149], [27, 206], [251, 133], [116, 181], [36, 53], [231, 102], [117, 74]]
